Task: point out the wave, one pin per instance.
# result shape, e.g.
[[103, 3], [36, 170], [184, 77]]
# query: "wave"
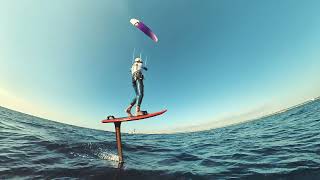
[[282, 146]]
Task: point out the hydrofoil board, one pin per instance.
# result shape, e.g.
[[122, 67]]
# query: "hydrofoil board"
[[112, 119]]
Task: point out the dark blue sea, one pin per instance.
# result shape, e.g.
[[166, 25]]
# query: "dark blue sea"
[[282, 146]]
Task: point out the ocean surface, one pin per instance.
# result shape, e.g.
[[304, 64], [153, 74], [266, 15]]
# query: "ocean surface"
[[282, 146]]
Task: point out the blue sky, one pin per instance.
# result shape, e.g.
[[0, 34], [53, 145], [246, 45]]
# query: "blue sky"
[[69, 61]]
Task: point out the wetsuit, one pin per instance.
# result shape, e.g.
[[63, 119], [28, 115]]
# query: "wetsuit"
[[137, 82]]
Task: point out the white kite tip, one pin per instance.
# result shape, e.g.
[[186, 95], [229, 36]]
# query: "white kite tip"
[[134, 21]]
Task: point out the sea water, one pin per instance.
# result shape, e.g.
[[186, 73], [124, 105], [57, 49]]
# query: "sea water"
[[282, 146]]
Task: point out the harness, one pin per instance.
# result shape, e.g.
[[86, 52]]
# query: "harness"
[[137, 75]]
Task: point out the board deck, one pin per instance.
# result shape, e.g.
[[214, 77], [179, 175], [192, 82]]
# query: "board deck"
[[133, 118]]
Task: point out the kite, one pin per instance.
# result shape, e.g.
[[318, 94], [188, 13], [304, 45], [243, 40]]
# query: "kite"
[[144, 28]]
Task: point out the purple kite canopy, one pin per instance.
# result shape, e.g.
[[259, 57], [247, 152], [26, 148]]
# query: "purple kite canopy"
[[144, 28]]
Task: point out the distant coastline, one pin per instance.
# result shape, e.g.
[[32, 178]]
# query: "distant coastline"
[[289, 108], [230, 121], [202, 127]]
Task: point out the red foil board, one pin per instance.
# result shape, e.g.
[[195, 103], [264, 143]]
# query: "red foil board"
[[133, 118]]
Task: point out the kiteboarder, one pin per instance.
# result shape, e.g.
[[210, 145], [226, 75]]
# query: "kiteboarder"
[[137, 83]]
